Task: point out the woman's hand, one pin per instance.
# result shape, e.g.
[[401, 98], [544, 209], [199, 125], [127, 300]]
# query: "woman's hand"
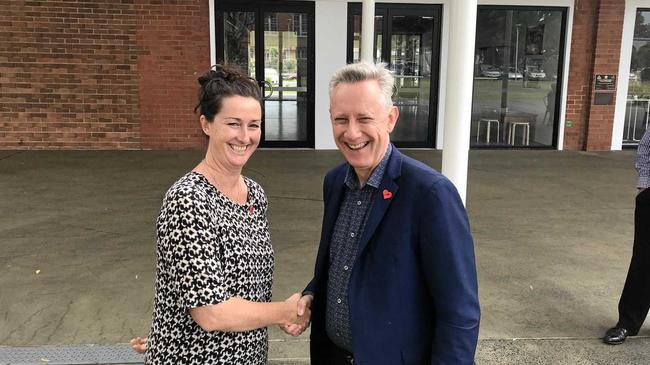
[[139, 345], [300, 319]]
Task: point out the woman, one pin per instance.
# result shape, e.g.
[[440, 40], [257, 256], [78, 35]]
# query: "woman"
[[214, 256]]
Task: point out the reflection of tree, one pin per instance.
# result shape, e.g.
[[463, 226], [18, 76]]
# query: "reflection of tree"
[[238, 26], [643, 56], [641, 28], [640, 55]]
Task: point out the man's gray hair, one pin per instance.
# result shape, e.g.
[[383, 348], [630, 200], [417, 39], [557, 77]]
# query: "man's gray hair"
[[363, 71]]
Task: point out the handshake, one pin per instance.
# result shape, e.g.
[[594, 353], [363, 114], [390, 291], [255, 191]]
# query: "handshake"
[[298, 314]]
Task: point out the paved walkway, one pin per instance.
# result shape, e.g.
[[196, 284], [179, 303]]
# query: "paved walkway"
[[552, 232]]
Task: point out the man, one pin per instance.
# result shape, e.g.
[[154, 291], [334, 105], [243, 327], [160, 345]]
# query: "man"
[[635, 300], [395, 277]]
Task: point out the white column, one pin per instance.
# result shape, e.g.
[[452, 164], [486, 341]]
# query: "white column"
[[213, 38], [458, 98], [367, 30]]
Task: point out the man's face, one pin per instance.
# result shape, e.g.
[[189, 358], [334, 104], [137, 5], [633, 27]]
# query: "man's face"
[[361, 123]]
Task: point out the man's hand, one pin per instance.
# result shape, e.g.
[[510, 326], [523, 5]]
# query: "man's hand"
[[304, 317], [139, 345]]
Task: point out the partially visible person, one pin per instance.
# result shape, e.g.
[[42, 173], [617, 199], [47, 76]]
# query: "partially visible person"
[[395, 276], [214, 257], [635, 300]]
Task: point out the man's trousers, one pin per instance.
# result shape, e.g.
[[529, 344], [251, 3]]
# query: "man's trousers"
[[635, 300]]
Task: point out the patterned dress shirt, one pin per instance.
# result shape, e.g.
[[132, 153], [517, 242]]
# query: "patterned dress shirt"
[[351, 220], [643, 160]]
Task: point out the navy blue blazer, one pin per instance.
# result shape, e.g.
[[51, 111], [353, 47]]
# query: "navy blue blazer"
[[413, 291]]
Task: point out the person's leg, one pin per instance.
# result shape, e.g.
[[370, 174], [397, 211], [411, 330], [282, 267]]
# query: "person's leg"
[[635, 299]]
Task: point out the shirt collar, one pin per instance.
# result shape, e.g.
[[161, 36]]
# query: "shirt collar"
[[375, 177]]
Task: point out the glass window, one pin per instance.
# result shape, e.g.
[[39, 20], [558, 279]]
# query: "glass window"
[[516, 66], [638, 93], [407, 40], [239, 40], [356, 40]]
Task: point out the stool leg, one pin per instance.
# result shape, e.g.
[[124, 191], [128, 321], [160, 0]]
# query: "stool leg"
[[498, 132], [487, 139], [527, 134], [511, 140]]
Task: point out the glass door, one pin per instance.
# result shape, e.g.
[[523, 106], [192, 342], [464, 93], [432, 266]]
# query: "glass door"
[[407, 39], [273, 42]]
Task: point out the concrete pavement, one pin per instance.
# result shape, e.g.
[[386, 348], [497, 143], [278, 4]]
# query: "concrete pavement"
[[552, 229]]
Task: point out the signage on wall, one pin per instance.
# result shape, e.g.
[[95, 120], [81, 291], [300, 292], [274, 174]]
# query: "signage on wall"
[[605, 82], [605, 85]]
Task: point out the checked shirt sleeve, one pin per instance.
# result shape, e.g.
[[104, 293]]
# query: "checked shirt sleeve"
[[643, 160]]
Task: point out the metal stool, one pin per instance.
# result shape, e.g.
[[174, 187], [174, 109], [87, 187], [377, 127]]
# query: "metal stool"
[[487, 132], [525, 132]]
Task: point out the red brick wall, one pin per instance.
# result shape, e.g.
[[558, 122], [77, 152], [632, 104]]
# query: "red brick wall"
[[595, 49], [68, 76], [101, 74], [176, 40]]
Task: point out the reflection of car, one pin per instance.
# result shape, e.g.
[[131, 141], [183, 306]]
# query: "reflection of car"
[[514, 74], [490, 71], [406, 68], [633, 76], [271, 75], [535, 73]]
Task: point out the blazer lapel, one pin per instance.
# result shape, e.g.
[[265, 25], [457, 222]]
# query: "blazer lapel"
[[332, 205], [383, 197]]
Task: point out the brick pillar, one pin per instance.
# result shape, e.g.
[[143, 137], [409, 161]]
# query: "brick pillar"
[[606, 62], [595, 49]]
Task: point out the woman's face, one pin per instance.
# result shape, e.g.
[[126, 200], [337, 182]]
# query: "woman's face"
[[235, 132]]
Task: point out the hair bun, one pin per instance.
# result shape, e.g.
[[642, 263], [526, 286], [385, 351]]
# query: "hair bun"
[[221, 73]]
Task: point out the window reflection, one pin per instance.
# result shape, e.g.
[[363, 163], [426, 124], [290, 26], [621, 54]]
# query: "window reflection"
[[516, 68]]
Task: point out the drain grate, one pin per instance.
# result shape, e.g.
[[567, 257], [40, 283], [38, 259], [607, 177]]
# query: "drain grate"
[[70, 354]]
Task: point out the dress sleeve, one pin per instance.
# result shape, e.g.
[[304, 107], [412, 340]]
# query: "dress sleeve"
[[191, 247]]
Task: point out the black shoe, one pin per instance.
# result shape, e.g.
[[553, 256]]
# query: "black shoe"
[[615, 336]]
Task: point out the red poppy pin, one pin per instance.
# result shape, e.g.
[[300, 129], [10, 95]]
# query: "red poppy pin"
[[251, 210], [387, 194]]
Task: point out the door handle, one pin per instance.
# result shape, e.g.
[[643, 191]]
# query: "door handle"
[[267, 87]]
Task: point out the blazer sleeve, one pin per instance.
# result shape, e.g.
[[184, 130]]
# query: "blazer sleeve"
[[449, 267]]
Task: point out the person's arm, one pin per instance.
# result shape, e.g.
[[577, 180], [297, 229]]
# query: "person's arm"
[[643, 161], [447, 254], [238, 315]]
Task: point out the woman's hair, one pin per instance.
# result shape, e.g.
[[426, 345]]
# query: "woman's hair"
[[363, 71], [222, 81]]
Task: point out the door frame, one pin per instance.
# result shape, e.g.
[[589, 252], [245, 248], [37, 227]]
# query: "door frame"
[[259, 8], [387, 10]]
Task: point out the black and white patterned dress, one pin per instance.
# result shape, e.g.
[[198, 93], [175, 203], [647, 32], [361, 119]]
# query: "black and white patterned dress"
[[209, 249]]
